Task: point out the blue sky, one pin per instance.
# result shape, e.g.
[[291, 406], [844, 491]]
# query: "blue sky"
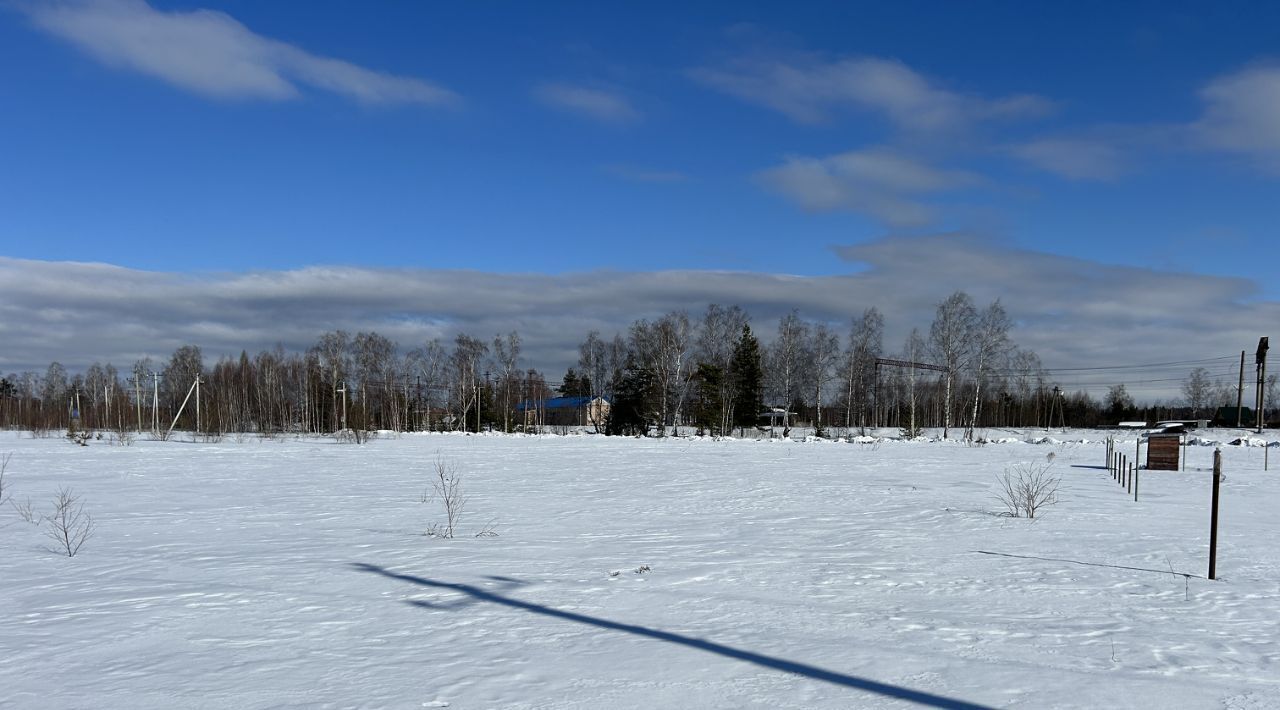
[[108, 162], [203, 140]]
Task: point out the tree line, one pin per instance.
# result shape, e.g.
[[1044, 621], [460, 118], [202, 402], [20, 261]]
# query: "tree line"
[[711, 374]]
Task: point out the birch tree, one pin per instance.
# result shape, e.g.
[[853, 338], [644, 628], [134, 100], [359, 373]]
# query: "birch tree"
[[785, 360], [823, 354], [912, 352], [506, 354], [990, 346], [951, 343], [865, 337], [718, 337]]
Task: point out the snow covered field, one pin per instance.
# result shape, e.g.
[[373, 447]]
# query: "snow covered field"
[[295, 573]]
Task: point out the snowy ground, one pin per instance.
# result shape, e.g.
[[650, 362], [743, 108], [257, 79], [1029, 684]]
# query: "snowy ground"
[[295, 573]]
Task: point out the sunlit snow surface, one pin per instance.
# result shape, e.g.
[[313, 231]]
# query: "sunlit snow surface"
[[783, 574]]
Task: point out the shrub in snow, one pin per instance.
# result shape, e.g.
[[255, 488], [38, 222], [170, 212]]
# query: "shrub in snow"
[[4, 464], [354, 436], [1025, 488], [447, 488], [69, 526]]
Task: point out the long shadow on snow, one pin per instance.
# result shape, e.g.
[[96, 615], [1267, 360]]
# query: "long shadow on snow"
[[1089, 564], [476, 594]]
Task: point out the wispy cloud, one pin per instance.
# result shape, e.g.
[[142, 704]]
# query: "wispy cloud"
[[210, 53], [595, 104], [878, 182], [1074, 312], [1073, 158], [808, 91], [1242, 115]]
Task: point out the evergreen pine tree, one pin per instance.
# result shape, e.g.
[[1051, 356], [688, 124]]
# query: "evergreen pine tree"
[[569, 387], [628, 416], [747, 375], [706, 407]]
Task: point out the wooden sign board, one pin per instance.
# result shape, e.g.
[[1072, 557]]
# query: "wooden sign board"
[[1162, 452]]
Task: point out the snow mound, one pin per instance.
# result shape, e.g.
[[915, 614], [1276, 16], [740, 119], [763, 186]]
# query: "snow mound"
[[1248, 441]]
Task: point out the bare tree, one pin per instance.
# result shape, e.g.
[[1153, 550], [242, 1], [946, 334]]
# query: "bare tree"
[[823, 353], [912, 351], [1196, 389], [53, 391], [1027, 488], [375, 369], [1029, 379], [717, 338], [428, 365], [951, 341], [990, 346], [464, 366], [865, 337], [663, 348], [69, 526], [447, 488], [594, 361], [333, 355], [506, 354], [785, 360]]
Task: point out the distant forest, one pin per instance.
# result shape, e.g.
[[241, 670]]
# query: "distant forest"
[[712, 374]]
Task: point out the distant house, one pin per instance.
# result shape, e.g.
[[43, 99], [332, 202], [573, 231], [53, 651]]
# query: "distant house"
[[565, 411], [1227, 416]]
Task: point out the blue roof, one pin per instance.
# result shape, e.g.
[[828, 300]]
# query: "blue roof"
[[559, 403]]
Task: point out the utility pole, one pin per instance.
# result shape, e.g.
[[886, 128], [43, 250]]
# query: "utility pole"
[[1263, 346], [342, 387], [155, 402], [1240, 395], [137, 398]]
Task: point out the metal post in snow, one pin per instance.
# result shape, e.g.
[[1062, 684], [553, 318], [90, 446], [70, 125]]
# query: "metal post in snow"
[[1213, 515], [1135, 486]]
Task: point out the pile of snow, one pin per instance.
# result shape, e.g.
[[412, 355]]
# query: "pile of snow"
[[1249, 441]]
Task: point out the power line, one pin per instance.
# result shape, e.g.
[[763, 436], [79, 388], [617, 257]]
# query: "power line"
[[1135, 367]]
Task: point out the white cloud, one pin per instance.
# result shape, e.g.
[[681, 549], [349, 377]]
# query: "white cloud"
[[808, 90], [1242, 115], [1072, 158], [211, 53], [878, 182], [596, 104], [1074, 312]]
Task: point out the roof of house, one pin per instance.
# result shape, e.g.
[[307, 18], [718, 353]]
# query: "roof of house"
[[559, 403]]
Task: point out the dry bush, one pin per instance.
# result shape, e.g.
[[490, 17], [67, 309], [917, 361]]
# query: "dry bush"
[[355, 436], [69, 526], [27, 511], [4, 489], [447, 488], [1025, 488], [123, 437]]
